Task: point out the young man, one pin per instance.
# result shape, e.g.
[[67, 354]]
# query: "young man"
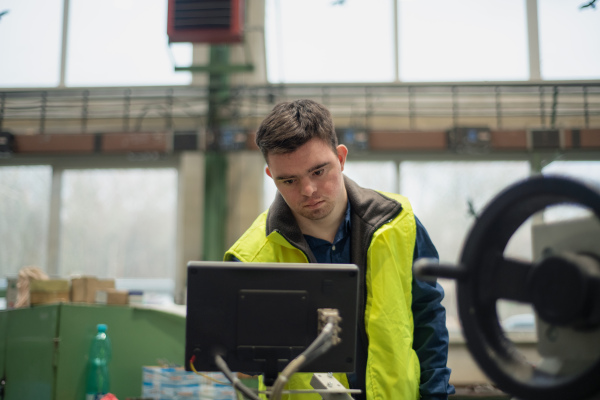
[[320, 215]]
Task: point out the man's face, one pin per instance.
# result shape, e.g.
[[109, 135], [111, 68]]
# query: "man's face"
[[310, 179]]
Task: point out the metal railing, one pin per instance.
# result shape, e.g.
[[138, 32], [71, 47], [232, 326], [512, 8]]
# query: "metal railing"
[[384, 106]]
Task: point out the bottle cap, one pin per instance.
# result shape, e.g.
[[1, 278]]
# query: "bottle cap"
[[102, 327]]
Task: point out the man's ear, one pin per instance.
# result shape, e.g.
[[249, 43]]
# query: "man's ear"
[[268, 172], [342, 153]]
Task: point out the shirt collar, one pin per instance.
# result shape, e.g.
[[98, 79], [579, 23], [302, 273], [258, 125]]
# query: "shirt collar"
[[344, 228], [342, 232], [347, 218]]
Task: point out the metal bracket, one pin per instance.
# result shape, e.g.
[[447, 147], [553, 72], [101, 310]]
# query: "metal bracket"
[[332, 389]]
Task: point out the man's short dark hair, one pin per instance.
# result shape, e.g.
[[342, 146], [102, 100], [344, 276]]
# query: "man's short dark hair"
[[291, 124]]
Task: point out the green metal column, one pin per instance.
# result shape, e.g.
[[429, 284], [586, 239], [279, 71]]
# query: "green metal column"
[[215, 191], [215, 205]]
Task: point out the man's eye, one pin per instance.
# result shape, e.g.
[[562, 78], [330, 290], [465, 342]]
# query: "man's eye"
[[319, 172], [288, 181]]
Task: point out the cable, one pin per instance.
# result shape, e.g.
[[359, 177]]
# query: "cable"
[[324, 341], [210, 378], [319, 352], [287, 372], [321, 344], [318, 347], [237, 384], [311, 353]]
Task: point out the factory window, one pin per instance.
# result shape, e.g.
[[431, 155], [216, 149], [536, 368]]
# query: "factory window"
[[446, 196], [30, 43], [378, 175], [345, 41], [462, 40], [25, 204], [584, 171], [119, 223], [109, 43], [132, 48], [568, 39], [438, 41], [329, 41]]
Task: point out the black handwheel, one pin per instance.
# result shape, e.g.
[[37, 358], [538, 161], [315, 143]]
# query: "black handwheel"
[[560, 289]]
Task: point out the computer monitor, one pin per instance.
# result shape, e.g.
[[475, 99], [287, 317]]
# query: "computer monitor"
[[259, 317]]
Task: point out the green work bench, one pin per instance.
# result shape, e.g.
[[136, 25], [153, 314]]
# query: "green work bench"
[[44, 349]]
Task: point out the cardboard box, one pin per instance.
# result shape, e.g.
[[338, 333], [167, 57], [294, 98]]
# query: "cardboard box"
[[112, 296], [48, 291], [83, 290], [36, 298]]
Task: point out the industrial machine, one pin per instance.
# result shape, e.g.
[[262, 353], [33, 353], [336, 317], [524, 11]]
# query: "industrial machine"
[[562, 284]]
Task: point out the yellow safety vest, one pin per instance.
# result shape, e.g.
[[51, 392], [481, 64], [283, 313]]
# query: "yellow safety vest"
[[392, 370]]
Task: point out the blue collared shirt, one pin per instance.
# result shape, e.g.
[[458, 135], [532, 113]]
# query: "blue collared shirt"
[[429, 316]]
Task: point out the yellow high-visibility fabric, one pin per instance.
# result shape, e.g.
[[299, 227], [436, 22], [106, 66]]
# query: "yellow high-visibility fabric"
[[254, 246], [392, 370]]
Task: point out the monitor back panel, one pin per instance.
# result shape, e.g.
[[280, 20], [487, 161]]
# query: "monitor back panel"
[[259, 317]]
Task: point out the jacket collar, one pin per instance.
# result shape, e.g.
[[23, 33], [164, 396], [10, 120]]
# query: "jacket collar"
[[371, 207]]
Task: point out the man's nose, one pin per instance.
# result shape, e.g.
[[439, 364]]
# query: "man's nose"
[[307, 187]]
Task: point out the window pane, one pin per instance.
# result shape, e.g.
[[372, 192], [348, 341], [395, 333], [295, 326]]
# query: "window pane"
[[119, 223], [120, 42], [328, 41], [30, 43], [583, 171], [25, 203], [568, 40], [442, 193], [378, 175], [467, 40]]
